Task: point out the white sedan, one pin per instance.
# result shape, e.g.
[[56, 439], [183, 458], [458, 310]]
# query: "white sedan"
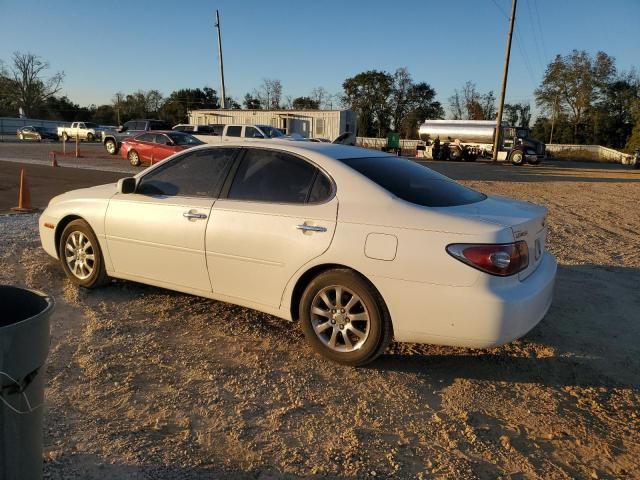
[[357, 245]]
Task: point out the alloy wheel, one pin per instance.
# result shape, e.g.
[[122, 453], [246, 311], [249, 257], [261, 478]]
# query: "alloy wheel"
[[340, 319], [79, 255]]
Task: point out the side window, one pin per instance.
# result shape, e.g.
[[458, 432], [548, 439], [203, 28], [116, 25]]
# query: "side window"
[[195, 174], [130, 125], [270, 176], [81, 125], [250, 132], [321, 190], [234, 131], [159, 138], [147, 137]]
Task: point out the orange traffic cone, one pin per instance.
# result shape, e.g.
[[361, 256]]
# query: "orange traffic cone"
[[24, 199], [54, 161]]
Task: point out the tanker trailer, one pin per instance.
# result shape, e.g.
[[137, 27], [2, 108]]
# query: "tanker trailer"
[[471, 139]]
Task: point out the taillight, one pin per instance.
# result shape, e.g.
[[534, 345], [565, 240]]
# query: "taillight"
[[497, 259]]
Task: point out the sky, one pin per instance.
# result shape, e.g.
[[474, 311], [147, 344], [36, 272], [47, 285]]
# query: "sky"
[[117, 45]]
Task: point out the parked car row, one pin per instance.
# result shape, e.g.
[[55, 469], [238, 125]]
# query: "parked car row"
[[31, 132]]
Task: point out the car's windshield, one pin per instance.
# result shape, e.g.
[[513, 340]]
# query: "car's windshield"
[[271, 132], [183, 139], [413, 182]]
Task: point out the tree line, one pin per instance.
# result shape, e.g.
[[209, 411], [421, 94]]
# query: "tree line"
[[581, 99]]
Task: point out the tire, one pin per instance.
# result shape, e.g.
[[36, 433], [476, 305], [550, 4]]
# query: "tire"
[[517, 157], [65, 137], [455, 154], [81, 257], [21, 136], [533, 162], [110, 146], [90, 137], [134, 158], [331, 332]]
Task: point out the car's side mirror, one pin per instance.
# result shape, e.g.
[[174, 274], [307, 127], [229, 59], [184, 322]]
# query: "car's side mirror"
[[258, 135], [126, 185]]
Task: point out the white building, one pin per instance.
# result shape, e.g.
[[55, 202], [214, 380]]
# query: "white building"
[[308, 123]]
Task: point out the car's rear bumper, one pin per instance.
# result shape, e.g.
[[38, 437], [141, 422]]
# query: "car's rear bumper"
[[480, 316]]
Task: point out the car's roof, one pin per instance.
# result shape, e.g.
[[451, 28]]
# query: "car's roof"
[[332, 150]]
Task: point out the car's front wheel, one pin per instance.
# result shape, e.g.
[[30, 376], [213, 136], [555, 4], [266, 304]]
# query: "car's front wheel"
[[110, 146], [80, 255], [134, 158], [344, 318], [517, 157]]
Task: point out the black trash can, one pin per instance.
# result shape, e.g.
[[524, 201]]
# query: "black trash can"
[[24, 345]]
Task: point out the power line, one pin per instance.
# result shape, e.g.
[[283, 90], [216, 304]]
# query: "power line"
[[523, 54], [539, 23], [534, 34]]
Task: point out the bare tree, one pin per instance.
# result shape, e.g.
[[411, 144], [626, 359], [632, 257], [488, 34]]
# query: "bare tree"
[[270, 93], [32, 89], [320, 96]]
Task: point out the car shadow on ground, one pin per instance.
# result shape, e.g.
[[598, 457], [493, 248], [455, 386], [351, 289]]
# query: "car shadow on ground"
[[586, 339]]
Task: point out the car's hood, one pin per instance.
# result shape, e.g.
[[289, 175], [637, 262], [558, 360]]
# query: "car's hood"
[[94, 193]]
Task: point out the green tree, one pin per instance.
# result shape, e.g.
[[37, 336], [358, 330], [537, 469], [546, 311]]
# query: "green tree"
[[177, 105], [251, 103], [367, 94], [305, 103], [574, 83]]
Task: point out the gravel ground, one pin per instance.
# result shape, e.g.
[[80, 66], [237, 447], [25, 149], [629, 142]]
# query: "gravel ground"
[[145, 383]]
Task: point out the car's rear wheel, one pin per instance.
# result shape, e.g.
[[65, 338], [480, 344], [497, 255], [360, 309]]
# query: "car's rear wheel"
[[80, 255], [344, 318], [134, 158], [110, 146], [65, 137], [90, 137]]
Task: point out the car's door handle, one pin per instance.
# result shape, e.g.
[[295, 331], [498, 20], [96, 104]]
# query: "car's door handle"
[[190, 215], [311, 228]]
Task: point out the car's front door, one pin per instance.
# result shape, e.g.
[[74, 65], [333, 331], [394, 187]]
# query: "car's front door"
[[157, 233], [163, 147], [278, 214]]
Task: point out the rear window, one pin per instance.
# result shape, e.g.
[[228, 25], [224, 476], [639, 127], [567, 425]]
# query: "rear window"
[[158, 125], [413, 182]]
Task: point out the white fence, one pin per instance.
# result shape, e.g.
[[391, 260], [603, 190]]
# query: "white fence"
[[9, 125], [597, 151]]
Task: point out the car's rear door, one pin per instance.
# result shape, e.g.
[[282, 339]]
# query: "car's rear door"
[[277, 214], [157, 233]]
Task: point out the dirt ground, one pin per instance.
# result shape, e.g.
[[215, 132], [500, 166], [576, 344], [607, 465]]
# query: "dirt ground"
[[144, 383]]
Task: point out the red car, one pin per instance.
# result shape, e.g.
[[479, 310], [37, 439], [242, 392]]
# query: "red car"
[[151, 147]]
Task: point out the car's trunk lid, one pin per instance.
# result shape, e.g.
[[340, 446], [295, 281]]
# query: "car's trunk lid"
[[526, 220]]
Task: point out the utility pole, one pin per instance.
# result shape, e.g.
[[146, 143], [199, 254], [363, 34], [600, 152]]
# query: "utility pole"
[[496, 139], [223, 102], [553, 118]]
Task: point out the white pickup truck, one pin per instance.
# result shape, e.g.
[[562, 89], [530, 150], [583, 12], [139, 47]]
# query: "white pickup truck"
[[239, 133], [83, 130]]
